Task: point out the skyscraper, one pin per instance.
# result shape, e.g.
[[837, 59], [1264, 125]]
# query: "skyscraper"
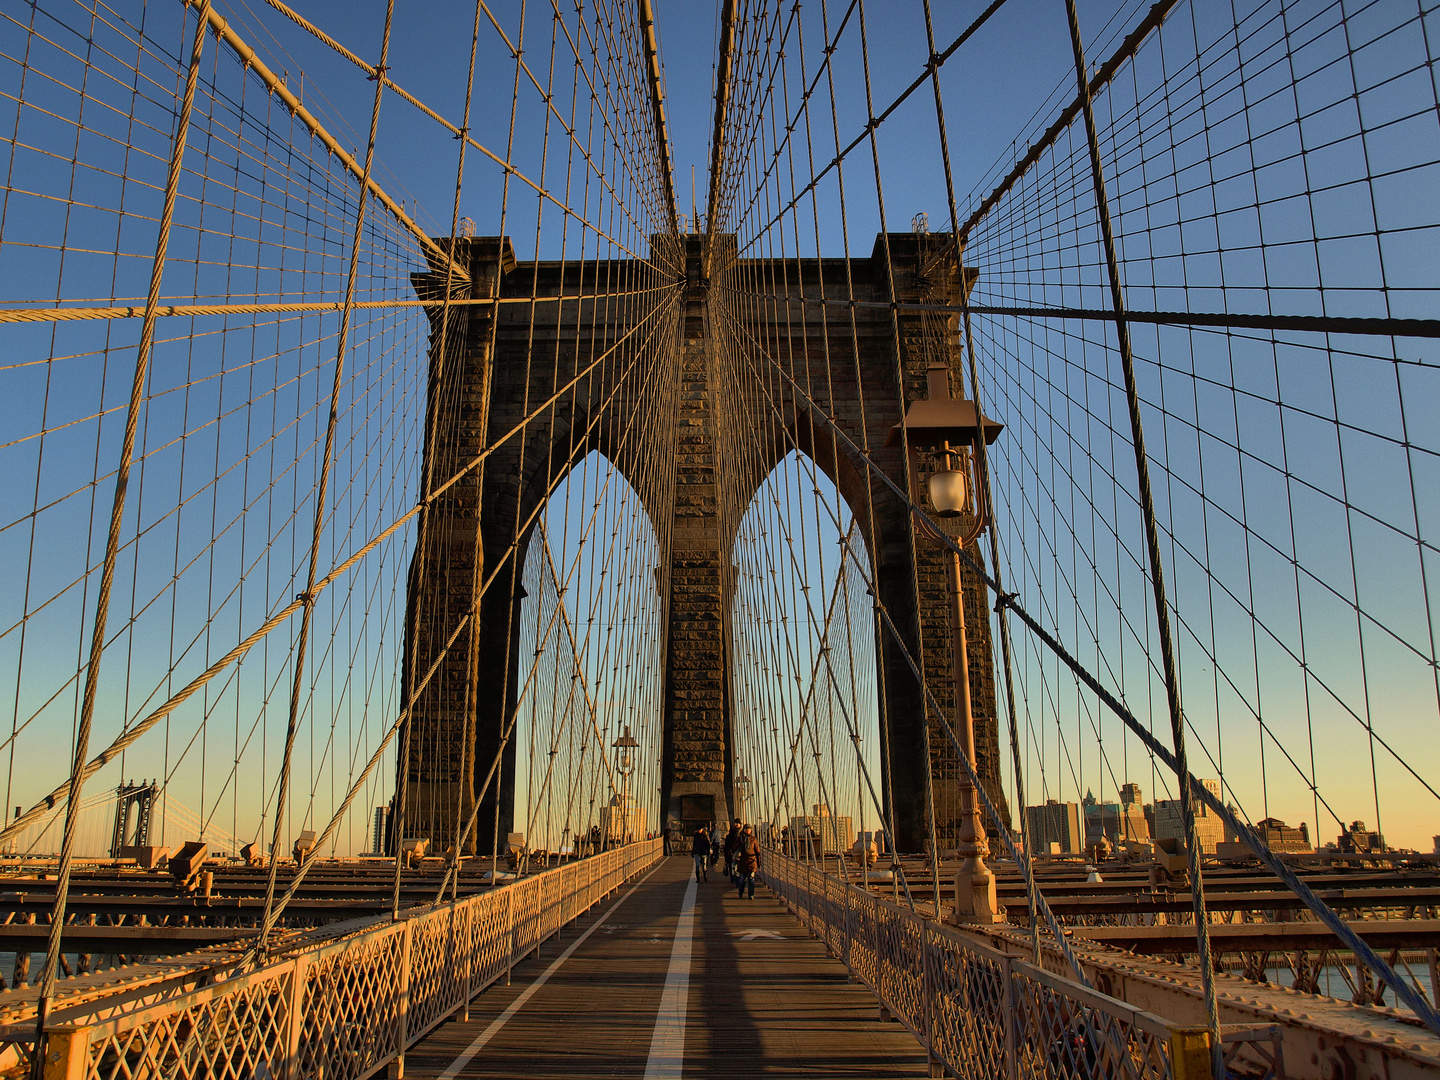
[[378, 830], [1054, 823]]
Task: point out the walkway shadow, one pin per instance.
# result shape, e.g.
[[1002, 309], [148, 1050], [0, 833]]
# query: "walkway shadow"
[[767, 1000]]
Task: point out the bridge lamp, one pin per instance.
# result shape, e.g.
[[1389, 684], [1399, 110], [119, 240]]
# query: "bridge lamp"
[[948, 431], [742, 788], [948, 488], [625, 747]]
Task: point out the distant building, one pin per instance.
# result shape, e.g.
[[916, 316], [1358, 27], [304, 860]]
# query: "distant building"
[[835, 832], [622, 823], [1054, 823], [1120, 821], [1169, 821], [1358, 840], [1436, 840], [379, 828], [1093, 814], [1281, 837], [1132, 824]]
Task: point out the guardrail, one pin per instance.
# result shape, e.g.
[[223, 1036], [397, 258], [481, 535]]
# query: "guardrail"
[[346, 1007], [978, 1012]]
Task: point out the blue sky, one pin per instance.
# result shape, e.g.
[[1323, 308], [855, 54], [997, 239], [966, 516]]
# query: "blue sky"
[[1295, 476]]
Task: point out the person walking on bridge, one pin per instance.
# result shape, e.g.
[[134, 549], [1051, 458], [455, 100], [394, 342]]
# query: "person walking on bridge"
[[747, 861], [732, 841], [700, 849]]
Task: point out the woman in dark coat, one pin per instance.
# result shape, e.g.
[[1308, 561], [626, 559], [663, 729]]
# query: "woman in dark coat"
[[747, 861], [700, 849]]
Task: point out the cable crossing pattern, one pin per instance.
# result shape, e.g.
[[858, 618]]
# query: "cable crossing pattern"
[[472, 540]]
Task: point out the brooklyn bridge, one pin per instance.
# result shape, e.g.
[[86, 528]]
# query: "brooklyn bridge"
[[944, 592]]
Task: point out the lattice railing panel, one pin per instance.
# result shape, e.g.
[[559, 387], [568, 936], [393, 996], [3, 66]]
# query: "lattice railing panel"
[[978, 1011], [230, 1035], [970, 1000], [442, 947], [337, 1009], [1060, 1033], [351, 1007], [491, 954]]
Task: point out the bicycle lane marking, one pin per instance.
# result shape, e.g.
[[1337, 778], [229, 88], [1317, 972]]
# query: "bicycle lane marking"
[[667, 1045]]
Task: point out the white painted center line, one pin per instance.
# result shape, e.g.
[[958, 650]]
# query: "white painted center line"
[[667, 1046], [515, 1006]]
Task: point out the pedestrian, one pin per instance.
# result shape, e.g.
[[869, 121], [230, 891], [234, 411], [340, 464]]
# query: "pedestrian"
[[732, 840], [700, 849], [747, 862], [715, 845]]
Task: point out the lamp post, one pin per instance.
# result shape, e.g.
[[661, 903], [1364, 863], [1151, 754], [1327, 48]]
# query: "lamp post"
[[625, 747], [742, 789], [948, 431]]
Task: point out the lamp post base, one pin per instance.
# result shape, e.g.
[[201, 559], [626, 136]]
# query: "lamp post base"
[[975, 901]]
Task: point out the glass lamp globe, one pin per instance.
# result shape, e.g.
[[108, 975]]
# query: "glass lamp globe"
[[947, 491]]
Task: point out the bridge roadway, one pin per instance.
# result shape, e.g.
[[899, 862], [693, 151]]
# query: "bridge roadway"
[[672, 978]]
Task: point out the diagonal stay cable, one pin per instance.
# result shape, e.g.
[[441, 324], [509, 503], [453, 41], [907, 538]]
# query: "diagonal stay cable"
[[128, 737], [1416, 1002], [117, 516]]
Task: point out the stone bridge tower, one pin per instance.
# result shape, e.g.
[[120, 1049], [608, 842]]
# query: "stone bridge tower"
[[829, 368]]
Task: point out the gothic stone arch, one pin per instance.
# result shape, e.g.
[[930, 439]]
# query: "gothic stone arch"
[[505, 361]]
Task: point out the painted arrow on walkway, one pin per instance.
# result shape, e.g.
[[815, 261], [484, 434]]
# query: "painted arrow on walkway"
[[751, 935]]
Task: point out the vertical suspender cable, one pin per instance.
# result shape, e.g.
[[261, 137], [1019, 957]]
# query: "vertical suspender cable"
[[422, 531], [910, 527], [112, 546], [982, 469], [307, 611], [1152, 543], [717, 138]]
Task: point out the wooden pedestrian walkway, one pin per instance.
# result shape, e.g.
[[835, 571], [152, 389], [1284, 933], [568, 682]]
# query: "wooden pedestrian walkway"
[[664, 980]]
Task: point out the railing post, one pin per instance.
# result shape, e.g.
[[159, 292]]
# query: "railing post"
[[299, 977], [1012, 1054], [509, 933], [402, 1017], [1190, 1054], [935, 1067], [849, 929], [66, 1052], [464, 955]]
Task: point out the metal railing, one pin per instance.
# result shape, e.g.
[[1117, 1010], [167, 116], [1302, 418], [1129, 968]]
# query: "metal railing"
[[977, 1012], [343, 1008]]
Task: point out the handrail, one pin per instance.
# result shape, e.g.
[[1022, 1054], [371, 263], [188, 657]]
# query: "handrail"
[[342, 1006], [977, 1011]]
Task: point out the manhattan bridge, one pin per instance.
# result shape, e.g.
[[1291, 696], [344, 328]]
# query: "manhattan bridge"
[[1034, 540]]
